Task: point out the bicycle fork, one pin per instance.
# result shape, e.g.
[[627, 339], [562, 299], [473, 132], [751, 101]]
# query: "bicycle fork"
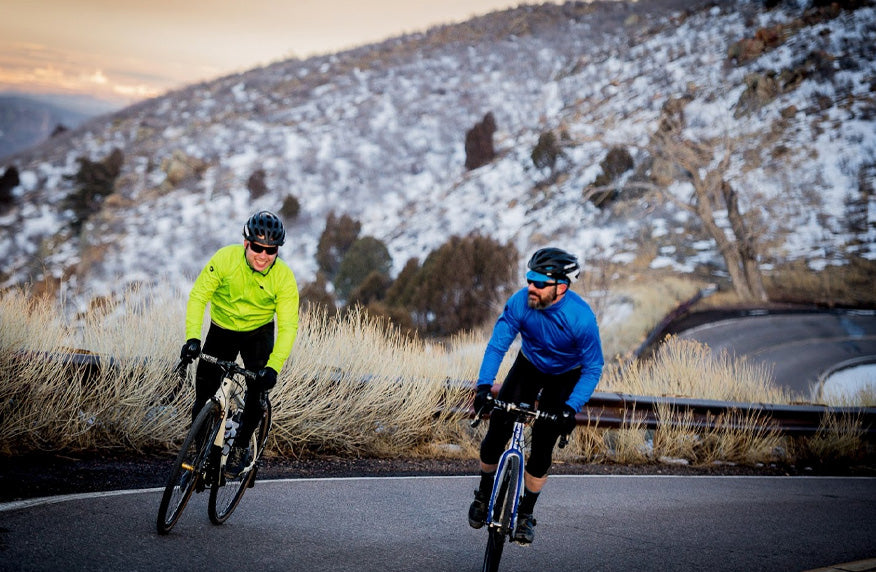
[[512, 456]]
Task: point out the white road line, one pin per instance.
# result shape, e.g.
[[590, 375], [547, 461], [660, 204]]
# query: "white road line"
[[40, 501]]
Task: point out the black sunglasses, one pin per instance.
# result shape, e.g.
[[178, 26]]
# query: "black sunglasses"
[[257, 248], [541, 284]]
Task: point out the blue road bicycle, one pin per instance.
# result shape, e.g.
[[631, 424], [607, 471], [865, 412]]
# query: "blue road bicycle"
[[508, 483]]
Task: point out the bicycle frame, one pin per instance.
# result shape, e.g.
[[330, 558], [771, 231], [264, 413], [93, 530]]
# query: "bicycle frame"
[[230, 389]]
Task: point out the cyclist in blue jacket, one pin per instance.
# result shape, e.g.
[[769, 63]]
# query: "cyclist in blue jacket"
[[560, 356]]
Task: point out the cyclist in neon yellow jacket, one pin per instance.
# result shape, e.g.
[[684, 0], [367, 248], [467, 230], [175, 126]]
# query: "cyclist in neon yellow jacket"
[[246, 286]]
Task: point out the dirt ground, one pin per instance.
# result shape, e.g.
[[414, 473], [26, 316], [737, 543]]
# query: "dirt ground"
[[35, 476]]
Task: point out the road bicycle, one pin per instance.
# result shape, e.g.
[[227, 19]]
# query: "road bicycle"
[[200, 463], [508, 482]]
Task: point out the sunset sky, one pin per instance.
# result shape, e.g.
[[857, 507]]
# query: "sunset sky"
[[126, 50]]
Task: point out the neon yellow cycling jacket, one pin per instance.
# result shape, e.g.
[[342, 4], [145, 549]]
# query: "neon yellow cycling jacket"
[[242, 299]]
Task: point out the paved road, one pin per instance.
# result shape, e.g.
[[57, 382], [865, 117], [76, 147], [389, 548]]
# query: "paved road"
[[798, 347], [418, 524]]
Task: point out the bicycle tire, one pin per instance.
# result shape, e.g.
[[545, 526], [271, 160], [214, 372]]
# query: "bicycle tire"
[[503, 509], [188, 468], [226, 493], [493, 553]]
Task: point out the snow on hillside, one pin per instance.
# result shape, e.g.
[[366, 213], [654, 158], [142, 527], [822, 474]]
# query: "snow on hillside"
[[378, 133]]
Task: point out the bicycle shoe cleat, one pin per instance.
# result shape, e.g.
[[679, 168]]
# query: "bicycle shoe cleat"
[[477, 512], [524, 533], [239, 459]]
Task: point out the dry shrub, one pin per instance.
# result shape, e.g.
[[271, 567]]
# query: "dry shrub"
[[839, 438], [676, 435], [586, 444], [353, 386], [628, 445], [686, 368], [356, 386], [746, 438], [49, 404]]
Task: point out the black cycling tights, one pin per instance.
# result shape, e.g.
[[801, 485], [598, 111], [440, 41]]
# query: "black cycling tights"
[[255, 348], [522, 385]]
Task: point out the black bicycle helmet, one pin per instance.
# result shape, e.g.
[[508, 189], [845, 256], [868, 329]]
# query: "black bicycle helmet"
[[265, 228], [554, 263]]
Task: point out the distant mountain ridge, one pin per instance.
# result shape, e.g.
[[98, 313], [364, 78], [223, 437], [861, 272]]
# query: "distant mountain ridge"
[[378, 133], [27, 120]]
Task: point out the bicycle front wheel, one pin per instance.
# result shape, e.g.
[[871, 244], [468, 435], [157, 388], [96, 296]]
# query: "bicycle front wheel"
[[225, 495], [188, 468], [495, 544]]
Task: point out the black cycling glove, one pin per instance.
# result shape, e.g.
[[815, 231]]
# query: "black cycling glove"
[[482, 399], [190, 350], [266, 379], [567, 420]]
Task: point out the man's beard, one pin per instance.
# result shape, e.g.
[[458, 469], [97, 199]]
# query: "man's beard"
[[540, 303]]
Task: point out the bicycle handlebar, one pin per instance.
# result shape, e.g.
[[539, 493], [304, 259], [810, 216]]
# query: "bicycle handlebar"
[[522, 410], [229, 367]]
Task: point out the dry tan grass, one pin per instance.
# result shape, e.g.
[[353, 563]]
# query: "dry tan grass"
[[352, 386], [739, 437], [686, 368], [628, 445], [850, 284], [839, 438], [47, 405], [355, 386], [677, 436]]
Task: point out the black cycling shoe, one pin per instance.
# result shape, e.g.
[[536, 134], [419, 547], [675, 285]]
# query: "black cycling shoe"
[[524, 533], [477, 512], [239, 459]]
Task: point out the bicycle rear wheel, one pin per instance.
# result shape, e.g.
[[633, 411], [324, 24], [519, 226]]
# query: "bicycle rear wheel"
[[503, 511], [225, 495], [188, 468]]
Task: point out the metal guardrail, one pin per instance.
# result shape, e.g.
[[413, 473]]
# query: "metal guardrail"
[[616, 410]]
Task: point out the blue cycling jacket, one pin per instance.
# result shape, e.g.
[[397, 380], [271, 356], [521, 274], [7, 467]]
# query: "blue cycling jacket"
[[559, 338]]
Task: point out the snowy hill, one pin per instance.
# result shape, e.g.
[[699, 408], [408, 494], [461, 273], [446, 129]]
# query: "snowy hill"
[[378, 133]]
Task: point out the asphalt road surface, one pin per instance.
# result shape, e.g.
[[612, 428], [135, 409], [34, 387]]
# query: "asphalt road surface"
[[419, 524], [797, 347]]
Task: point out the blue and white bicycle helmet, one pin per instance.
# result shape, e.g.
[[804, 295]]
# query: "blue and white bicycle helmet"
[[553, 264]]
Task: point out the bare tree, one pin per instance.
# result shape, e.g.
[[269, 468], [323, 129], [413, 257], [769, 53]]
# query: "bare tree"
[[703, 164]]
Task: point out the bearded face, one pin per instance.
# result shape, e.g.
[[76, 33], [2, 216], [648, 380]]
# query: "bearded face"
[[541, 298]]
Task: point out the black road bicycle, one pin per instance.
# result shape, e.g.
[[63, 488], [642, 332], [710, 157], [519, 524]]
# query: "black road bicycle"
[[508, 482], [201, 462]]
